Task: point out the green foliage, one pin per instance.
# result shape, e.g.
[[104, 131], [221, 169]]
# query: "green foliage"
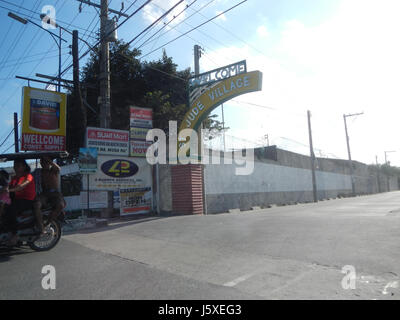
[[156, 84], [389, 170], [386, 169]]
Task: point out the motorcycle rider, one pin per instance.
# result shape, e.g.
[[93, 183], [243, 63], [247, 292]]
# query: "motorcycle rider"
[[49, 194], [23, 193]]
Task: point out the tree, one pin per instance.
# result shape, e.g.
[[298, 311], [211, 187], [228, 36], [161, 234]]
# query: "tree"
[[157, 85]]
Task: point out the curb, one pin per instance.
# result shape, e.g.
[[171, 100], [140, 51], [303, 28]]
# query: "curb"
[[83, 224]]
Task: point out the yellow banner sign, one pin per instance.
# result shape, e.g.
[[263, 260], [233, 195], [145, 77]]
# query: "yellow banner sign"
[[43, 120], [219, 93]]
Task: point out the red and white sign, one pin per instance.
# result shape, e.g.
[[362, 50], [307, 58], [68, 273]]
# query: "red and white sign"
[[108, 141], [42, 142], [141, 117], [139, 148]]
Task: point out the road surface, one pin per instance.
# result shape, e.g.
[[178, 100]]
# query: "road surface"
[[337, 249]]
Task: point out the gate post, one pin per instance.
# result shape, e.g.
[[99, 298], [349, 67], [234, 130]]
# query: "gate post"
[[187, 189]]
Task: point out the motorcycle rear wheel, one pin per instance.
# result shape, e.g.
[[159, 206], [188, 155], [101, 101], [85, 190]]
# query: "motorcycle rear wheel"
[[48, 240]]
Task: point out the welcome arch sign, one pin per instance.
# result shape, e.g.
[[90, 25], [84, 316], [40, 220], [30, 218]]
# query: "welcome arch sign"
[[211, 89]]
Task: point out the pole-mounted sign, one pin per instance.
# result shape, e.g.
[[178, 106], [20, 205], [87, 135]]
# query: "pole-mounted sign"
[[43, 120]]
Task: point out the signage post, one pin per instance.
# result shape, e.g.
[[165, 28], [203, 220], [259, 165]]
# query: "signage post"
[[43, 120], [88, 165]]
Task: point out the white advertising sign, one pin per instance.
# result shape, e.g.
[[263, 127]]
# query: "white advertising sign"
[[115, 173], [108, 141]]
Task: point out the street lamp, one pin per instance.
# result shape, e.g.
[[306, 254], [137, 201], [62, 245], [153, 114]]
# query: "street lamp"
[[53, 35], [353, 189]]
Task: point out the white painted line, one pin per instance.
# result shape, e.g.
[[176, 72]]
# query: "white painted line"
[[393, 284], [237, 280]]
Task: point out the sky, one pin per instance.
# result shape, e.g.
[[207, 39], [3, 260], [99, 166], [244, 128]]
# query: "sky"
[[332, 57]]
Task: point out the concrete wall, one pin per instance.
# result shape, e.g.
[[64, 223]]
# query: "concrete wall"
[[165, 188], [279, 177], [268, 184], [286, 178]]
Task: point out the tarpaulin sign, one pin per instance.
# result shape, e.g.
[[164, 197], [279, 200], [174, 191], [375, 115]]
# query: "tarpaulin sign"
[[135, 200], [43, 120]]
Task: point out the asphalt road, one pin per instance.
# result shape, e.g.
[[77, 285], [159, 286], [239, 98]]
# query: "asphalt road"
[[291, 252]]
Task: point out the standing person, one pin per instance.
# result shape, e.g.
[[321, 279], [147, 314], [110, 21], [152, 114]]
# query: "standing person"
[[4, 194], [50, 193], [23, 193]]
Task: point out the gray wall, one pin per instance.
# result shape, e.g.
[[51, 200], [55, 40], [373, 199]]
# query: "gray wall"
[[283, 178], [287, 179], [165, 188]]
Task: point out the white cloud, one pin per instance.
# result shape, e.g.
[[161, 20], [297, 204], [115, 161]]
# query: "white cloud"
[[222, 17], [262, 31], [348, 64], [157, 8]]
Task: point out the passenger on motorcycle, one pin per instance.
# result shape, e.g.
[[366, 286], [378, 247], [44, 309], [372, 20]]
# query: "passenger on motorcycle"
[[23, 193], [49, 190]]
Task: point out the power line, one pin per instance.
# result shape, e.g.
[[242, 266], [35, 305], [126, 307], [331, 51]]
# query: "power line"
[[13, 93], [110, 32], [195, 28], [176, 29], [166, 24], [24, 62], [38, 13], [9, 28], [155, 22], [24, 52]]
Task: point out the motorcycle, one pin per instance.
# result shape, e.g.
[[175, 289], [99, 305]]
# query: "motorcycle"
[[28, 234], [26, 221]]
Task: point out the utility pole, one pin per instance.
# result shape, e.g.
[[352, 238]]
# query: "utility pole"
[[16, 144], [314, 183], [353, 189], [378, 176], [105, 104], [197, 55], [223, 125], [388, 164], [386, 152], [77, 89]]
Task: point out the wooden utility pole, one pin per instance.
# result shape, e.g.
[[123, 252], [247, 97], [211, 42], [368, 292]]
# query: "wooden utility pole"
[[353, 188], [105, 92], [16, 144], [378, 176], [312, 155], [77, 89], [197, 55]]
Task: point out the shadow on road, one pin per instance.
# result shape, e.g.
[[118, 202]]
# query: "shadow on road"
[[116, 224], [6, 254]]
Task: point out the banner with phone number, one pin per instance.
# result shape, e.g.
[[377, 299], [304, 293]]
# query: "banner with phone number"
[[135, 201]]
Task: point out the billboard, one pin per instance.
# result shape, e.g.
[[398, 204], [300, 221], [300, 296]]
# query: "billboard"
[[139, 148], [43, 120], [87, 160], [141, 117], [108, 141], [119, 173], [141, 121], [135, 200], [138, 133]]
